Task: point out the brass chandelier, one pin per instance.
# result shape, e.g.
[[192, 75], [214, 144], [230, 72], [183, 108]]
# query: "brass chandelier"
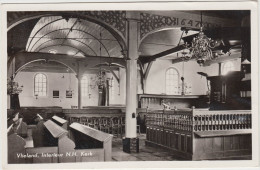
[[201, 47]]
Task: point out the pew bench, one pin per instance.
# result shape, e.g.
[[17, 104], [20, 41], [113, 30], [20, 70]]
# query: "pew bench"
[[92, 143]]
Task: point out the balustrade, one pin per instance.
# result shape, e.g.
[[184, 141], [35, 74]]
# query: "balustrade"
[[185, 131]]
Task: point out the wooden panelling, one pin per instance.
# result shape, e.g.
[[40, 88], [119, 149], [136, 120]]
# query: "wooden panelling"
[[204, 134]]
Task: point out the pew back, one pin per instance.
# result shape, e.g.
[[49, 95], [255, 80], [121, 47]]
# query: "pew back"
[[60, 121], [86, 137]]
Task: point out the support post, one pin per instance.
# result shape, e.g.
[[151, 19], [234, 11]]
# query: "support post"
[[131, 139], [79, 92], [80, 73]]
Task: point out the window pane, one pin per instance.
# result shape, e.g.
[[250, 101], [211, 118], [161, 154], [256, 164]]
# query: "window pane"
[[40, 84], [172, 81]]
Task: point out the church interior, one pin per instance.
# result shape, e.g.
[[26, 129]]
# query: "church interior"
[[88, 86]]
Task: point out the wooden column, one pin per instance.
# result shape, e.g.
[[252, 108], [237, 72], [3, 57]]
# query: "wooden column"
[[79, 92], [131, 77], [80, 73], [131, 89]]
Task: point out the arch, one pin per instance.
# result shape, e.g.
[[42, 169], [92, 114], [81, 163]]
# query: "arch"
[[116, 33], [169, 80], [20, 68], [155, 31]]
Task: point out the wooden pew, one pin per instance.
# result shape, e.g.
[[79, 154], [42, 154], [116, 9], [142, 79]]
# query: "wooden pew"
[[60, 121], [16, 145], [54, 146], [22, 128], [48, 143], [91, 144], [16, 142]]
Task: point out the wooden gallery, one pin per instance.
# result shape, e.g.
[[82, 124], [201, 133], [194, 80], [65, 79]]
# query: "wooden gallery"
[[87, 86]]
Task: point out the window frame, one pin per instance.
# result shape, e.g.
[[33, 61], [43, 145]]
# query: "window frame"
[[178, 81], [34, 83], [223, 67]]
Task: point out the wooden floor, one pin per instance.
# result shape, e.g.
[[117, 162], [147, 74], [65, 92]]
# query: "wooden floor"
[[146, 153]]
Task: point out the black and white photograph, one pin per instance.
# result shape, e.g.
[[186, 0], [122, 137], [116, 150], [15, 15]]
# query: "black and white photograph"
[[88, 84]]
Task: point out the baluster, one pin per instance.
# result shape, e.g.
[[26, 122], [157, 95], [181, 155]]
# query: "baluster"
[[247, 121], [224, 122], [204, 123], [207, 122], [197, 122], [221, 118], [217, 122], [227, 122], [242, 121], [200, 118], [236, 121], [232, 121]]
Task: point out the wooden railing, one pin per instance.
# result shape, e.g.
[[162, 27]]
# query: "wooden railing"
[[221, 120], [186, 131], [176, 119]]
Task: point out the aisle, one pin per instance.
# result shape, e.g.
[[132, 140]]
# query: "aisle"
[[146, 153]]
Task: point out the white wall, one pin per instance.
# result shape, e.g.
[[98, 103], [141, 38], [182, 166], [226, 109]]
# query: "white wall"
[[155, 84], [118, 98], [54, 82], [156, 78]]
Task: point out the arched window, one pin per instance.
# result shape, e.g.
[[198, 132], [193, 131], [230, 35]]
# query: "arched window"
[[40, 85], [172, 81], [84, 86], [228, 66]]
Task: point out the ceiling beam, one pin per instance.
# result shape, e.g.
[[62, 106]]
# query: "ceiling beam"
[[23, 58], [148, 59]]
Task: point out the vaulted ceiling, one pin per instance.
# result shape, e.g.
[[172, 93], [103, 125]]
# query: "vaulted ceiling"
[[72, 36], [81, 38]]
